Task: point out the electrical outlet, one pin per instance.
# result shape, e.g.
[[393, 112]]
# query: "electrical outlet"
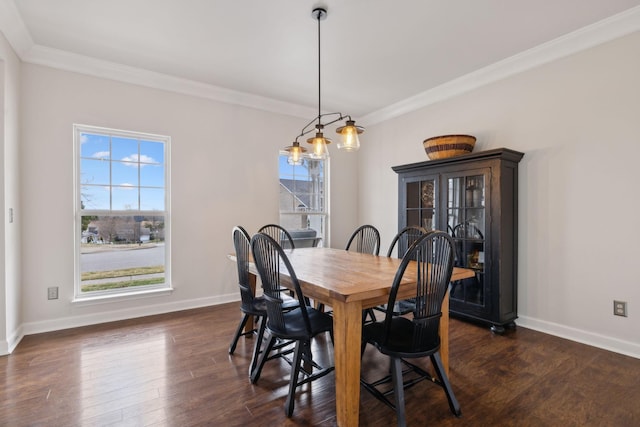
[[620, 308], [52, 293]]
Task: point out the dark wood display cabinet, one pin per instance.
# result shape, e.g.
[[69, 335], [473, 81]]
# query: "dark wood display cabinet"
[[474, 198]]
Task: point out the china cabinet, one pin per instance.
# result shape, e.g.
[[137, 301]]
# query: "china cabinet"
[[474, 198]]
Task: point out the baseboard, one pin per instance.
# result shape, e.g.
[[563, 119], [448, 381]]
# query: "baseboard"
[[596, 340], [115, 315], [14, 340], [4, 348]]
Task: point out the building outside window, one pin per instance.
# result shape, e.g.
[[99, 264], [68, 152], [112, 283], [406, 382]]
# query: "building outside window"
[[304, 200], [122, 211]]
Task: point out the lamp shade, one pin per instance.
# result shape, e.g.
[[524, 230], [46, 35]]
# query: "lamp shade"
[[319, 149], [349, 140], [296, 154]]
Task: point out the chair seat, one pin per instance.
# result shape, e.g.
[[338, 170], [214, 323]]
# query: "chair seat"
[[259, 305], [401, 339], [295, 326]]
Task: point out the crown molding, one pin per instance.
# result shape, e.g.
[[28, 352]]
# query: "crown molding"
[[13, 28], [68, 61], [587, 37]]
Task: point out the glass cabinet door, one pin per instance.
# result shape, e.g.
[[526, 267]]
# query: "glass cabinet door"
[[466, 222], [421, 203]]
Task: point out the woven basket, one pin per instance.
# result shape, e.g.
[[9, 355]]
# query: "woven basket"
[[445, 146]]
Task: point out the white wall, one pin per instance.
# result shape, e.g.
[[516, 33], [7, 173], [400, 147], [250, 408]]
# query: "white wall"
[[224, 172], [10, 295], [578, 122]]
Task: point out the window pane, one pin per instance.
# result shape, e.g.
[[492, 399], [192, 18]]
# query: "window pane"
[[151, 152], [94, 172], [94, 146], [124, 149], [151, 199], [109, 255], [151, 175], [124, 198], [124, 173], [94, 197]]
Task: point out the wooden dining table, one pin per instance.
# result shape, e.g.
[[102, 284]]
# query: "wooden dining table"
[[349, 282]]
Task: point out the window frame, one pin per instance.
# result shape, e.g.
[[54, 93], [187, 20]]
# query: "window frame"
[[79, 212], [324, 214]]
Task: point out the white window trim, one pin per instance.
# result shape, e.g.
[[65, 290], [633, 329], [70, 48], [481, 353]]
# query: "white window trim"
[[123, 293], [327, 201]]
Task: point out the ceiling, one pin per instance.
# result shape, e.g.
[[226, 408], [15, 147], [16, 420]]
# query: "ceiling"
[[375, 53]]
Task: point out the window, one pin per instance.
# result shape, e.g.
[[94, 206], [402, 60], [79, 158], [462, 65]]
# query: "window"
[[303, 200], [122, 211]]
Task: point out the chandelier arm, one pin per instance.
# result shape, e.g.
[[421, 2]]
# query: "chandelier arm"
[[305, 130], [341, 117]]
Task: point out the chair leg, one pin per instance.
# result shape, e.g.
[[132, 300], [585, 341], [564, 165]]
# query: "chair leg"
[[255, 375], [368, 313], [293, 382], [234, 341], [258, 344], [398, 390], [444, 380]]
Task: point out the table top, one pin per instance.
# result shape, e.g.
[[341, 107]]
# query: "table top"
[[328, 274]]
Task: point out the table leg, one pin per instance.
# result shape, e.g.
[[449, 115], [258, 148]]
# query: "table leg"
[[347, 331], [252, 284], [444, 334]]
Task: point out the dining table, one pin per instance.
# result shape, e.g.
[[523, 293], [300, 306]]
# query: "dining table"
[[349, 282]]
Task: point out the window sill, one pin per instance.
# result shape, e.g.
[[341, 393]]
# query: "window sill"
[[109, 298]]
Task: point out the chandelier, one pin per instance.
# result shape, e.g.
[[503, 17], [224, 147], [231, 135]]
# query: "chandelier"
[[348, 133]]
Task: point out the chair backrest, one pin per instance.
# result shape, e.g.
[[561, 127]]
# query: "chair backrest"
[[431, 256], [279, 234], [366, 239], [271, 261], [242, 246], [405, 238], [467, 230]]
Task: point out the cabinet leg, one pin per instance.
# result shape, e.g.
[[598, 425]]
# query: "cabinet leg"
[[497, 329]]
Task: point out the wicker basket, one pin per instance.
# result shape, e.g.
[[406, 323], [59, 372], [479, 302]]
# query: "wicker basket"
[[445, 146]]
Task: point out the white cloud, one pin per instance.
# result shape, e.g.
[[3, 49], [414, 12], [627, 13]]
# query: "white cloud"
[[135, 158], [102, 155], [126, 186]]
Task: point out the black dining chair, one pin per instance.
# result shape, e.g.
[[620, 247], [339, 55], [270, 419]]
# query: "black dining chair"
[[409, 337], [250, 305], [402, 242], [404, 239], [279, 234], [365, 239], [301, 324], [468, 239]]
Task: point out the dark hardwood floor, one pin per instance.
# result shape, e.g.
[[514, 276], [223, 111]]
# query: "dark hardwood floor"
[[174, 370]]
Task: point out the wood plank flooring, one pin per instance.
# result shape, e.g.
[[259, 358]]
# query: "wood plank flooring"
[[174, 370]]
